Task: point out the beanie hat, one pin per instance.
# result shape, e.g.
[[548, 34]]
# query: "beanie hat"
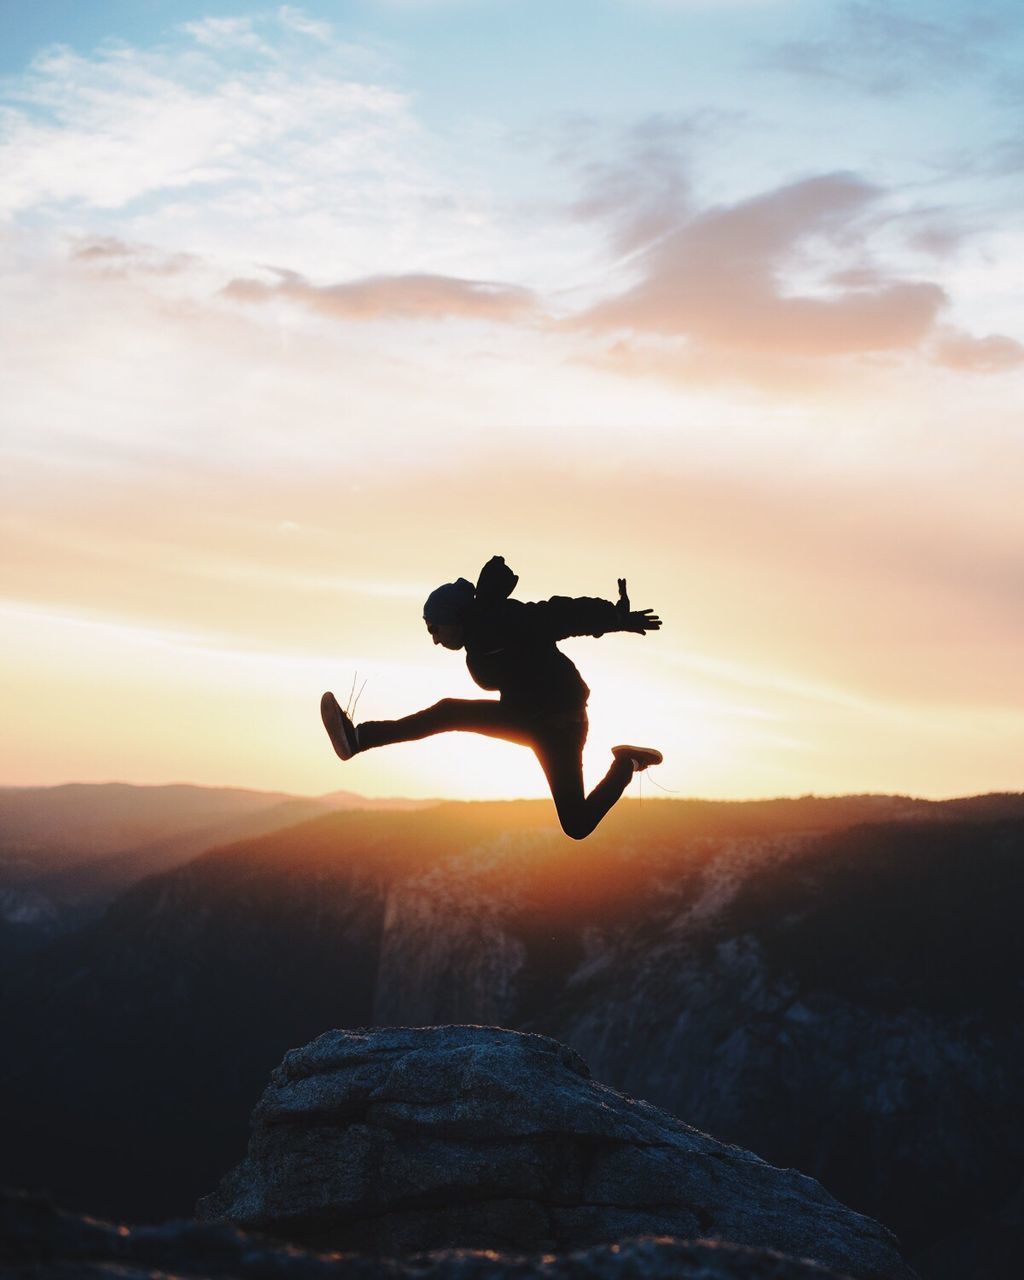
[[449, 603]]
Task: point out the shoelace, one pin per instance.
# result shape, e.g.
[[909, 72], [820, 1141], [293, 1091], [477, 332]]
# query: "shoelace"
[[350, 706]]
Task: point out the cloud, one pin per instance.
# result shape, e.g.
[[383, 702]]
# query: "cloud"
[[995, 353], [719, 279], [226, 115], [419, 296], [243, 33], [120, 257], [300, 149], [261, 139], [939, 237], [300, 21], [411, 296], [221, 33], [641, 192], [874, 46]]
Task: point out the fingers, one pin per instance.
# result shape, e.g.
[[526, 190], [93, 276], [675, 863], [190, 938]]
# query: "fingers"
[[639, 620], [645, 620]]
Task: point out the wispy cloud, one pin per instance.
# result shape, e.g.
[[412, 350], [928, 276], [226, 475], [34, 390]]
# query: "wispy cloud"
[[640, 189], [890, 48], [228, 33], [298, 20], [408, 297], [994, 353], [120, 257], [235, 114]]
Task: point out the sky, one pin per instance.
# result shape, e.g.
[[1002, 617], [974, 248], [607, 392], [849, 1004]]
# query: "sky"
[[307, 309]]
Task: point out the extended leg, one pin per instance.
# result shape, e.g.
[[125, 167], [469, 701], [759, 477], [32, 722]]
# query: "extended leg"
[[470, 715], [561, 758]]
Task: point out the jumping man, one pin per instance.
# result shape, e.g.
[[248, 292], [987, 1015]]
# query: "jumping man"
[[511, 647]]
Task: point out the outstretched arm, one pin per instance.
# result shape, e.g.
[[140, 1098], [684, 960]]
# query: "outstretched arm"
[[638, 620], [563, 616]]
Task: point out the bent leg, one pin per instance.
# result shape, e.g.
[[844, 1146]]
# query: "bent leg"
[[470, 715], [561, 758]]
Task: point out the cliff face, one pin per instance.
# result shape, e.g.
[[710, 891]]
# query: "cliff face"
[[411, 1139], [842, 1002]]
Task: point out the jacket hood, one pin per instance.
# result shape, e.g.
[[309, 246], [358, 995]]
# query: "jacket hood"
[[496, 581]]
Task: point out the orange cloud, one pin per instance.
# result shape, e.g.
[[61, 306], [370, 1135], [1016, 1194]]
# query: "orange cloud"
[[418, 296], [995, 353], [120, 257], [719, 280]]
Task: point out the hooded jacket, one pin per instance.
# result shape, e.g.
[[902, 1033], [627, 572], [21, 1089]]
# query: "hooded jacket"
[[511, 645]]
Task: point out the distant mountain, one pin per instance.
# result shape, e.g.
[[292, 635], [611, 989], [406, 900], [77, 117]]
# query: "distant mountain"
[[835, 983], [50, 829], [67, 851], [350, 800], [53, 828], [99, 879]]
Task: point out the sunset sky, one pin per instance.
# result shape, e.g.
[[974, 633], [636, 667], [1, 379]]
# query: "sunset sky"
[[307, 309]]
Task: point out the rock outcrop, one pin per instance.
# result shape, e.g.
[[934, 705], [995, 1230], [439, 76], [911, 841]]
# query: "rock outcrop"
[[38, 1242], [412, 1139]]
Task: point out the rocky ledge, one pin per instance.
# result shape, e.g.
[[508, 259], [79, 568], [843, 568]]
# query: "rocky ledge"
[[39, 1242], [407, 1140]]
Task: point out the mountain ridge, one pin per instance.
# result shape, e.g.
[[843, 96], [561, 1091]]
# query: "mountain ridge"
[[67, 850]]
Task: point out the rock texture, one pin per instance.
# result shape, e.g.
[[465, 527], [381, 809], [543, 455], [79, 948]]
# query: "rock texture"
[[411, 1139], [37, 1242]]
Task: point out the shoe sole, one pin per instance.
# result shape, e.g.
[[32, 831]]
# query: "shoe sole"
[[334, 722], [644, 757]]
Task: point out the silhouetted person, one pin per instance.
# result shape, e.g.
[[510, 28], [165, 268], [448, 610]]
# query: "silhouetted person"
[[511, 646]]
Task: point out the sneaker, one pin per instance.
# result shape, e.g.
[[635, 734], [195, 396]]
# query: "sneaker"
[[340, 729], [642, 757]]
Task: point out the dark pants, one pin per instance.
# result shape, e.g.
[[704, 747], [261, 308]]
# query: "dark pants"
[[557, 741]]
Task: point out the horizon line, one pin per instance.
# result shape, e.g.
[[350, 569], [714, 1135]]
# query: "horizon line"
[[438, 800]]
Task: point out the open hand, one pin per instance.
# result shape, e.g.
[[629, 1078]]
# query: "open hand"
[[639, 621]]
